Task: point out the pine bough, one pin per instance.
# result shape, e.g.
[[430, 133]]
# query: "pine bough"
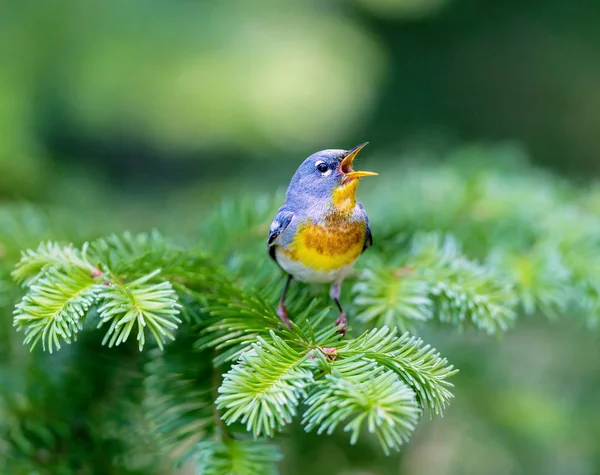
[[234, 378], [262, 376]]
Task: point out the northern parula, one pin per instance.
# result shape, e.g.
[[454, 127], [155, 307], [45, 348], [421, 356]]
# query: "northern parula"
[[321, 230]]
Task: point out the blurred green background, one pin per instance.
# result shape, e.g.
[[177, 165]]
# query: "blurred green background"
[[145, 114]]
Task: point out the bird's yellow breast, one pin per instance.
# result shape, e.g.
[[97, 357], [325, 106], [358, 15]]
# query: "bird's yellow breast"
[[328, 246]]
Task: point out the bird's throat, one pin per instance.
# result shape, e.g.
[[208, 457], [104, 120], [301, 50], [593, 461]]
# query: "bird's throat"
[[344, 197]]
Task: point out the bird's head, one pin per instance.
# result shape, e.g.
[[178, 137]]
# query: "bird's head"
[[328, 175]]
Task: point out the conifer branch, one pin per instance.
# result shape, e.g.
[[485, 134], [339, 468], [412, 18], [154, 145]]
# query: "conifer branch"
[[141, 304], [220, 296], [55, 307], [64, 285], [393, 298], [381, 401], [236, 319], [49, 255], [239, 457], [435, 280], [541, 279], [378, 377], [265, 388], [463, 291], [419, 366]]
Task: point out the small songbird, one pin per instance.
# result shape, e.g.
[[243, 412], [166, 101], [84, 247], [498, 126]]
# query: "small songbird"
[[321, 230]]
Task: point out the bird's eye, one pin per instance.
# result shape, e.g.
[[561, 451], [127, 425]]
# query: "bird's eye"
[[322, 167]]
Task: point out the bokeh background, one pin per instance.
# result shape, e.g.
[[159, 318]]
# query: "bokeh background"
[[146, 114]]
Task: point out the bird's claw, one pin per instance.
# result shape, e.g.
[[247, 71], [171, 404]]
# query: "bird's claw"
[[342, 323], [283, 315]]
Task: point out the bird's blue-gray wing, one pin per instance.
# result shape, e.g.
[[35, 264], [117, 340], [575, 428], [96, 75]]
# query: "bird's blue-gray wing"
[[282, 220], [368, 237]]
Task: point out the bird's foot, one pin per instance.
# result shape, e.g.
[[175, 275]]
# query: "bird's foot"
[[283, 315], [342, 323]]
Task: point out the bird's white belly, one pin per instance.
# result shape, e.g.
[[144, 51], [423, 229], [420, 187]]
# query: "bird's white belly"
[[304, 273]]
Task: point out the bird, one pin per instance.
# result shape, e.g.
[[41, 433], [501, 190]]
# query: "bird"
[[321, 230]]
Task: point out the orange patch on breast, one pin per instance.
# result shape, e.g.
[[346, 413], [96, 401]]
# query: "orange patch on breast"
[[328, 246]]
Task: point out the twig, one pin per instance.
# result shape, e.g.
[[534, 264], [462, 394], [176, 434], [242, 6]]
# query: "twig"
[[216, 382]]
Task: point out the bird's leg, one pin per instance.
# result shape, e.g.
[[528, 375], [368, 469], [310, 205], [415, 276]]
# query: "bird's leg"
[[342, 320], [281, 310]]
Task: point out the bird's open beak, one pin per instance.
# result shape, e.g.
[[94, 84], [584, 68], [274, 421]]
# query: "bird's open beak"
[[346, 165]]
